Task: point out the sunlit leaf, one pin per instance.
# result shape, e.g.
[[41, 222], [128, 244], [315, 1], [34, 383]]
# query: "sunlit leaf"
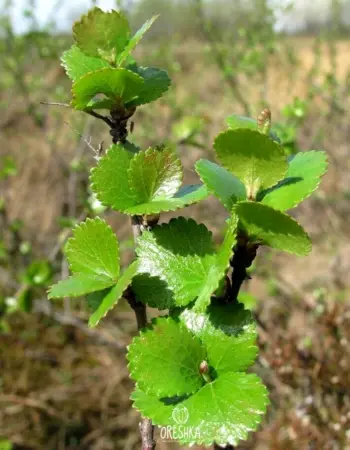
[[156, 82], [109, 179], [224, 411], [135, 40], [165, 359], [113, 295], [102, 34], [77, 63], [221, 183], [78, 285], [118, 85], [93, 249], [273, 228], [302, 179], [252, 157], [154, 173]]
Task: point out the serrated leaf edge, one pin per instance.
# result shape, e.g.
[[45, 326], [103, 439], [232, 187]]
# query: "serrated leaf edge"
[[288, 234], [84, 19], [72, 294], [211, 191], [167, 209], [318, 178], [104, 69], [148, 24], [84, 226], [143, 332], [93, 184], [198, 309], [180, 219], [247, 130], [144, 153], [67, 69], [117, 299], [161, 95], [211, 442]]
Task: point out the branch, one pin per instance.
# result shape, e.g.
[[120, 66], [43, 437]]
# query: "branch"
[[146, 430], [243, 257], [99, 116], [146, 426]]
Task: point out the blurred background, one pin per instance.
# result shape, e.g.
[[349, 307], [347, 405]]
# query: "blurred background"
[[65, 386]]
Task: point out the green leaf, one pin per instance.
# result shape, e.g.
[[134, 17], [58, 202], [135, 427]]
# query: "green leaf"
[[153, 291], [248, 300], [113, 296], [219, 266], [228, 333], [273, 228], [95, 298], [302, 179], [164, 360], [160, 172], [221, 183], [180, 253], [191, 193], [154, 174], [223, 411], [93, 249], [135, 40], [76, 63], [109, 179], [227, 409], [155, 207], [156, 82], [78, 285], [252, 157], [93, 255], [169, 204], [102, 34], [235, 121], [118, 85], [150, 406]]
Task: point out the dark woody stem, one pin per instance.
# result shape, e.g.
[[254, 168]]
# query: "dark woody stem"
[[146, 426], [244, 255]]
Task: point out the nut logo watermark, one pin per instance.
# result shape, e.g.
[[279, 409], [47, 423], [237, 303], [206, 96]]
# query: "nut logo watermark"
[[180, 415], [182, 429]]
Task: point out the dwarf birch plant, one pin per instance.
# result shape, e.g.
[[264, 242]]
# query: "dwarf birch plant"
[[196, 356]]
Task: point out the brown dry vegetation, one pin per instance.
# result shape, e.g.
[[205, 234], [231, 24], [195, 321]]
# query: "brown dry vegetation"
[[63, 387]]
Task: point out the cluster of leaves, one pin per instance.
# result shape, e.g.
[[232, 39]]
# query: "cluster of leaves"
[[195, 358], [261, 182], [104, 74], [223, 403], [147, 182]]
